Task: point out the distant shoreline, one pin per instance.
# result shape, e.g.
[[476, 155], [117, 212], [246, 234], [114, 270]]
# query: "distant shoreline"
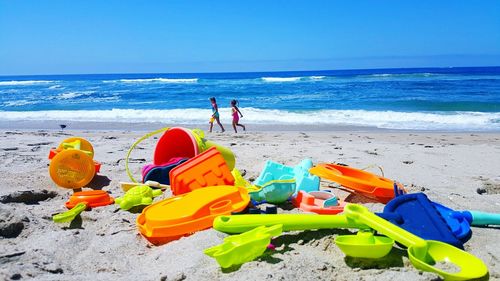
[[53, 125]]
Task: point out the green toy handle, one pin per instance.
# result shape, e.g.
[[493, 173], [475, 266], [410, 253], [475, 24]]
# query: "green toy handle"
[[290, 222], [483, 218], [361, 214], [130, 176], [70, 215]]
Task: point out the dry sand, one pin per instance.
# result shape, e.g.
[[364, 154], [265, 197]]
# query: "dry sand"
[[451, 168]]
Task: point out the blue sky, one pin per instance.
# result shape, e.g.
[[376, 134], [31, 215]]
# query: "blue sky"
[[95, 36]]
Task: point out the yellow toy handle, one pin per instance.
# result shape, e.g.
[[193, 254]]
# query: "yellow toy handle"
[[135, 144]]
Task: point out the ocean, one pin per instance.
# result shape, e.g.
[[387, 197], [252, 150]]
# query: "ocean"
[[416, 99]]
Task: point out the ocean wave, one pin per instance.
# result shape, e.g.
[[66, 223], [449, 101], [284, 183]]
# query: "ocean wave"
[[155, 80], [15, 103], [399, 75], [54, 87], [380, 119], [317, 77], [292, 79], [72, 95], [281, 79], [24, 82]]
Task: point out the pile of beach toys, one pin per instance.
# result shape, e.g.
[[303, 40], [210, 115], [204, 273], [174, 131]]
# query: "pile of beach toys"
[[209, 192]]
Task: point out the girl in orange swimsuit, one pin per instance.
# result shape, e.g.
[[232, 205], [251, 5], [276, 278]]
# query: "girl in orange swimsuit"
[[235, 111]]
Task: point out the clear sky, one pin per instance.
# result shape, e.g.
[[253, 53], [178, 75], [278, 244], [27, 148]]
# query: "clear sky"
[[120, 36]]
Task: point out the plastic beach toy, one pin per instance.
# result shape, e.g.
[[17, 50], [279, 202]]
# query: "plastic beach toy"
[[184, 214], [70, 215], [72, 165], [416, 213], [206, 169], [276, 171], [320, 202], [126, 186], [245, 247], [364, 245], [181, 142], [274, 191], [461, 221], [238, 179], [161, 173], [429, 220], [92, 198], [138, 196], [365, 183], [424, 254]]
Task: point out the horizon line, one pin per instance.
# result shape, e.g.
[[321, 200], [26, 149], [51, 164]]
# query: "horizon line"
[[228, 72]]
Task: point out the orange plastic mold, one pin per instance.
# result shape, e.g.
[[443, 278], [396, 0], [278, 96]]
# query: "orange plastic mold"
[[93, 198], [365, 183], [315, 202], [182, 215], [206, 169]]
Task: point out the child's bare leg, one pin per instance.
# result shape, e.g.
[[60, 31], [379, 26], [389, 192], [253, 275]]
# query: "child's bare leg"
[[234, 127], [218, 122], [243, 126], [211, 126]]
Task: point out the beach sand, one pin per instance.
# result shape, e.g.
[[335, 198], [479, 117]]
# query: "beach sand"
[[460, 170]]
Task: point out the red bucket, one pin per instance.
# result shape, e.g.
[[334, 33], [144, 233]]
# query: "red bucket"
[[175, 142]]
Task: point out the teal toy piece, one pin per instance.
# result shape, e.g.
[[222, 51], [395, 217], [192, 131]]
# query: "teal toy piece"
[[245, 247], [274, 192], [137, 196], [276, 171], [482, 218]]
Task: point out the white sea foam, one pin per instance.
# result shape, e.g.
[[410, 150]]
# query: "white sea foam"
[[155, 80], [401, 75], [18, 103], [281, 79], [24, 82], [380, 119], [317, 77], [292, 79], [55, 87], [72, 95]]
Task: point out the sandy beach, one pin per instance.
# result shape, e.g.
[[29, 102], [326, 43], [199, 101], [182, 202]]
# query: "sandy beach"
[[459, 170]]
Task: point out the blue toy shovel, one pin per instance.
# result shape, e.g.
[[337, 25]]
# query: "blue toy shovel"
[[461, 221], [429, 220]]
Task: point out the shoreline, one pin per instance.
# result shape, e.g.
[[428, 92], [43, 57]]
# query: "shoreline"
[[53, 125]]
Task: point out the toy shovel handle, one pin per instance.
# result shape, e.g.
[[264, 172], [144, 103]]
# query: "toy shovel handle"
[[483, 218], [361, 214], [290, 222]]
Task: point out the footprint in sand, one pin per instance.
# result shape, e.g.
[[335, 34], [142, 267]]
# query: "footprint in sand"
[[28, 197]]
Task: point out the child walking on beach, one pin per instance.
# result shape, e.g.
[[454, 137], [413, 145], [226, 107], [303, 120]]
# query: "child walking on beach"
[[215, 115], [235, 110]]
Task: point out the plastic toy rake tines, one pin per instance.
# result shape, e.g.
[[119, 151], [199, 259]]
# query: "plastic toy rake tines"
[[424, 254]]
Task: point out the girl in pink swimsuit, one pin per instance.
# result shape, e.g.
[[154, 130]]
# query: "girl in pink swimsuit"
[[235, 111]]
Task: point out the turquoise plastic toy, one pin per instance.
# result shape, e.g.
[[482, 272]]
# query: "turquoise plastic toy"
[[276, 171], [274, 192], [245, 247], [137, 196]]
